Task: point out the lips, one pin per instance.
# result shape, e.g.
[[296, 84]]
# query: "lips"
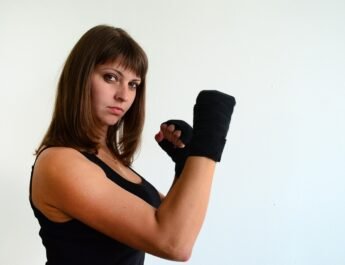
[[116, 110]]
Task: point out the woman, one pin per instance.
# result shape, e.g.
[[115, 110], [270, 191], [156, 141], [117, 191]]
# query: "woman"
[[91, 206]]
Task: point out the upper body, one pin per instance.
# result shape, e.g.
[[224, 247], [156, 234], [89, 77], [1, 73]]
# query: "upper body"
[[99, 111]]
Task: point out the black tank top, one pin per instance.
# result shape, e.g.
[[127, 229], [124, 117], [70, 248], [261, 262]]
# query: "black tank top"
[[74, 243]]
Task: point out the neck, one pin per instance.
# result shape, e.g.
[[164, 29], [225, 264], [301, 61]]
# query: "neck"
[[103, 138]]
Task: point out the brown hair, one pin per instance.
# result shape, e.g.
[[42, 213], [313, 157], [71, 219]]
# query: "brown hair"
[[73, 122]]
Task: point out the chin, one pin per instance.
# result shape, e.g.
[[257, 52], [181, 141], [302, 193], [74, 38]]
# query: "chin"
[[110, 121], [113, 122]]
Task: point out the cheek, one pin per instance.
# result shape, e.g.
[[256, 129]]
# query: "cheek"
[[97, 103], [133, 98], [97, 95]]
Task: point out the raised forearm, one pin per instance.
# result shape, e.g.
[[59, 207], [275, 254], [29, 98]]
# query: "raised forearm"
[[183, 210]]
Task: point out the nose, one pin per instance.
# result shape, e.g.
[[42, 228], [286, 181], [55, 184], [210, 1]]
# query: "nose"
[[121, 93]]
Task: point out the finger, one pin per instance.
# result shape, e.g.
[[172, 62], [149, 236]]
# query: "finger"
[[171, 136], [176, 139], [171, 128], [177, 133], [159, 136], [168, 132], [178, 143]]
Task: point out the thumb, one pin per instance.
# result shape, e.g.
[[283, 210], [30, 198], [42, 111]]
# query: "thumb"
[[159, 136]]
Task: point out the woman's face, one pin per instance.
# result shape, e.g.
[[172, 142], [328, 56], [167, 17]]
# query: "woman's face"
[[113, 91]]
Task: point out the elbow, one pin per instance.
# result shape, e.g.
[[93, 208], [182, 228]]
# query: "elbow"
[[185, 257], [174, 244], [182, 256], [178, 252]]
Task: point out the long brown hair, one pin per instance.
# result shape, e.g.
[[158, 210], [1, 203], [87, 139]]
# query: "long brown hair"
[[73, 123]]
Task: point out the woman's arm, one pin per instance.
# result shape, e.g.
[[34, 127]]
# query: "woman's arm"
[[67, 185], [183, 210]]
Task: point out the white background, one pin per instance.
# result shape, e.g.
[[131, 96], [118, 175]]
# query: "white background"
[[279, 192]]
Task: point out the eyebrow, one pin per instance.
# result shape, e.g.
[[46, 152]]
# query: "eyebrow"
[[120, 73]]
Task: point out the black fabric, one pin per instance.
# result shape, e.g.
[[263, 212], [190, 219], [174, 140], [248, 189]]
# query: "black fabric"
[[212, 116], [74, 243], [178, 155]]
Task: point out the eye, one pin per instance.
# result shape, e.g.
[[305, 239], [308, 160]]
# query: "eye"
[[110, 78], [134, 85]]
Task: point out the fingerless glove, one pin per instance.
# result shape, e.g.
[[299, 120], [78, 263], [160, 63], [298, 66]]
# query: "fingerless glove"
[[178, 155]]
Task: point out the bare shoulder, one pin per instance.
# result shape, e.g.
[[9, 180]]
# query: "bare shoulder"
[[62, 158], [58, 172], [61, 173], [64, 164]]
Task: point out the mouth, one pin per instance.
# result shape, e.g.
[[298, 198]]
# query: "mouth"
[[116, 110]]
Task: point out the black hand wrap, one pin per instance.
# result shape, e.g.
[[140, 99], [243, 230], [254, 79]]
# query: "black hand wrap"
[[212, 116], [178, 155]]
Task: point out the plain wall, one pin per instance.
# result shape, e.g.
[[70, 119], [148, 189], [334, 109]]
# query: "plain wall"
[[278, 195]]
